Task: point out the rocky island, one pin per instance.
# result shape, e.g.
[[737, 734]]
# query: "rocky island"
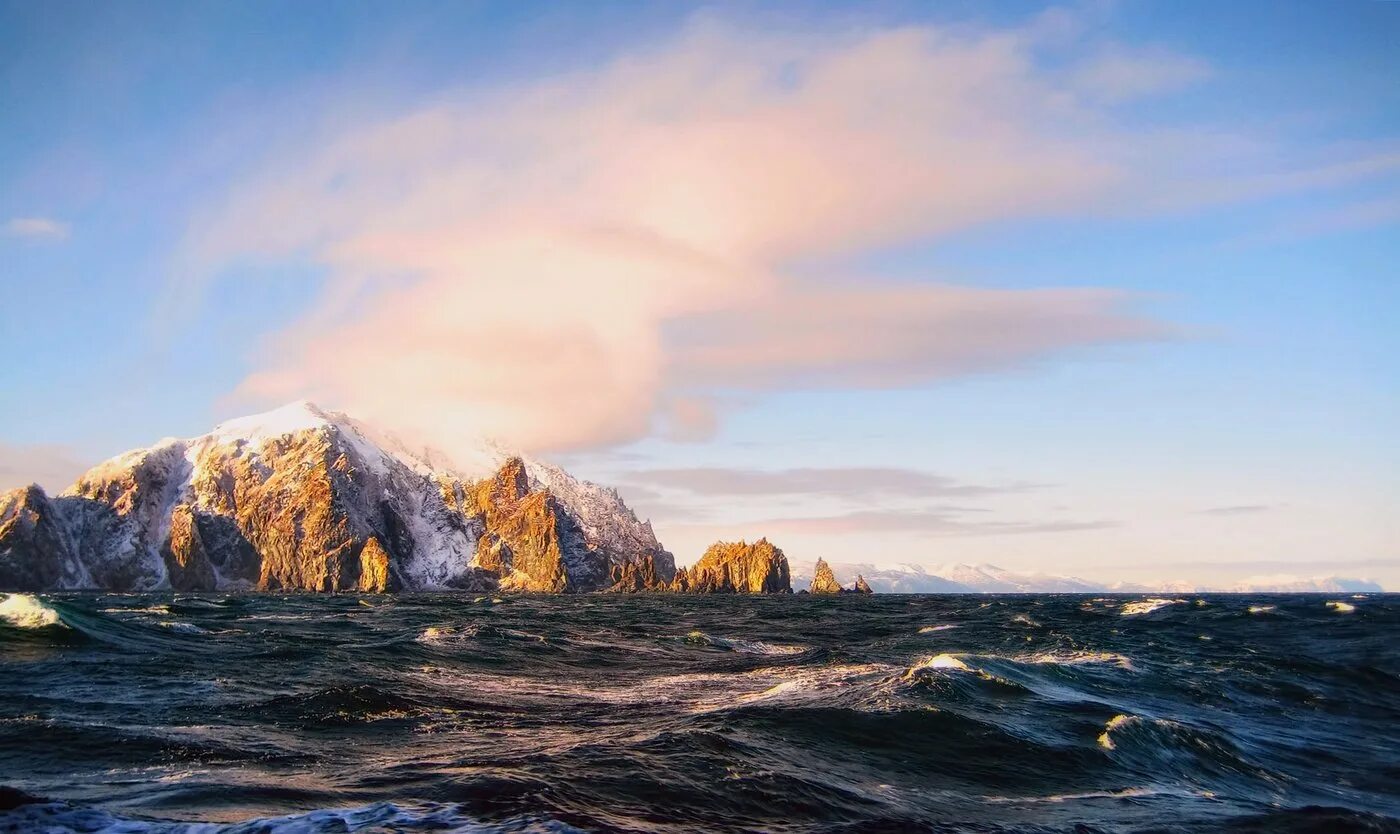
[[302, 499]]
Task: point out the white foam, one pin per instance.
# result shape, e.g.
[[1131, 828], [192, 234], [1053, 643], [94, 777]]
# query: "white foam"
[[1105, 739], [743, 646], [1261, 609], [1341, 607], [184, 628], [945, 662], [1147, 606], [1078, 659], [932, 629], [25, 611]]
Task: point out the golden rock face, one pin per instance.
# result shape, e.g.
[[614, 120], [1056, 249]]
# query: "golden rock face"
[[374, 568], [823, 580], [742, 568], [186, 561], [522, 542], [319, 510]]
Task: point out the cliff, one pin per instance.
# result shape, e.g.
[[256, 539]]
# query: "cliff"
[[739, 567], [307, 500]]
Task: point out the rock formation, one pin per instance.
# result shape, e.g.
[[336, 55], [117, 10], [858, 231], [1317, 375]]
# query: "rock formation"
[[823, 580], [306, 500], [739, 567], [863, 587], [633, 577]]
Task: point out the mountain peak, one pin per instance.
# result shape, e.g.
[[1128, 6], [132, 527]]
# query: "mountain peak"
[[292, 417]]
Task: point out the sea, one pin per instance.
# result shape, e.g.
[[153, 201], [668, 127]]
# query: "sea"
[[265, 714]]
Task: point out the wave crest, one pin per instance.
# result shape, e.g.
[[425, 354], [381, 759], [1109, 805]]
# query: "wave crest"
[[26, 611]]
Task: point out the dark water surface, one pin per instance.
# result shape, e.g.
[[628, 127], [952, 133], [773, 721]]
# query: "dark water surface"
[[676, 713]]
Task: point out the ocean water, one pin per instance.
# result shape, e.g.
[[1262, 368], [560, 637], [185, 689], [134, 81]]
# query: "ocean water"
[[666, 713]]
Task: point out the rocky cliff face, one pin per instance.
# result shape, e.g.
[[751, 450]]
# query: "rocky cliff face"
[[302, 499], [823, 580], [739, 567]]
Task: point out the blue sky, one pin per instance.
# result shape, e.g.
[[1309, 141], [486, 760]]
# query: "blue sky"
[[209, 208]]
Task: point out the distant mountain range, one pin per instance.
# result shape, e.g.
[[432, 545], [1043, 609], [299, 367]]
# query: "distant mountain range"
[[990, 579]]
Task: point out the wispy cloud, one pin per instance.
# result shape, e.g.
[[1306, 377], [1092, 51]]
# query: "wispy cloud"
[[869, 483], [935, 521], [37, 228], [1237, 509]]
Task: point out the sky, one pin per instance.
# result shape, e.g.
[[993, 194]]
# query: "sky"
[[1100, 289]]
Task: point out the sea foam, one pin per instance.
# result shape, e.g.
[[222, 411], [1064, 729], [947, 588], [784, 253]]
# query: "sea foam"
[[25, 611], [1147, 606]]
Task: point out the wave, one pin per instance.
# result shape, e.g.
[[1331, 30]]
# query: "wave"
[[184, 628], [932, 629], [61, 818], [700, 638], [26, 611], [1341, 607], [1081, 658], [1147, 606], [1262, 609], [942, 661]]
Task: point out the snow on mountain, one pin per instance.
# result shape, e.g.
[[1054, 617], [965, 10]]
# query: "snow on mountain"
[[300, 498], [987, 578], [1288, 583], [946, 579]]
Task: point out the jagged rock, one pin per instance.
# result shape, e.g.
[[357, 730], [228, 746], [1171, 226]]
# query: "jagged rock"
[[739, 567], [634, 577], [863, 587], [375, 576], [823, 580], [186, 561], [303, 499], [680, 583], [33, 548], [525, 532]]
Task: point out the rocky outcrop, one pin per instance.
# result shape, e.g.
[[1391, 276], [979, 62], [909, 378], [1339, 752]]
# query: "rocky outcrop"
[[34, 548], [824, 581], [742, 568], [526, 534], [186, 561], [300, 499], [863, 587], [642, 575]]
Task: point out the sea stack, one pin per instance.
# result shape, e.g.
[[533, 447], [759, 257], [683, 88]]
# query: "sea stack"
[[863, 587], [740, 568], [823, 580]]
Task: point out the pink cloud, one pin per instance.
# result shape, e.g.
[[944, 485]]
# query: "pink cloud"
[[589, 259]]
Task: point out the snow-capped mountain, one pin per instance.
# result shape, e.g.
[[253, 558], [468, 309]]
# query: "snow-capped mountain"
[[1275, 584], [985, 578], [948, 579], [304, 499]]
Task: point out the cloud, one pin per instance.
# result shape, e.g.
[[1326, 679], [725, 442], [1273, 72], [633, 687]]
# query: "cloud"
[[1117, 74], [868, 483], [936, 521], [597, 257], [1238, 509], [37, 228], [52, 467]]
